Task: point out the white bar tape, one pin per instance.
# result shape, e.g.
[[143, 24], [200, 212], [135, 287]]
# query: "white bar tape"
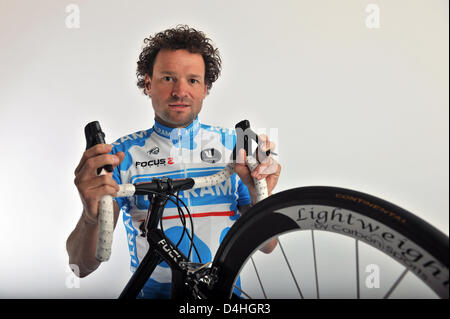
[[106, 222], [105, 228], [260, 185], [215, 179], [126, 190], [223, 175]]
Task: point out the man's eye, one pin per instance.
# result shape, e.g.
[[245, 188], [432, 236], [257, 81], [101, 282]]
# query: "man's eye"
[[193, 81], [167, 78]]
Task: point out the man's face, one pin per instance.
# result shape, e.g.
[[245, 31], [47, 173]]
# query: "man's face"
[[177, 87]]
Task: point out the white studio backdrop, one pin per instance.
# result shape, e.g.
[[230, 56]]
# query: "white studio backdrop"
[[356, 93]]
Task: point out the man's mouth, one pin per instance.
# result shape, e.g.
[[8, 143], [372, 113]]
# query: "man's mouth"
[[178, 105]]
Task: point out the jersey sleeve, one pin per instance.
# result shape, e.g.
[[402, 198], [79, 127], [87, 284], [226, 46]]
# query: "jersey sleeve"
[[244, 196]]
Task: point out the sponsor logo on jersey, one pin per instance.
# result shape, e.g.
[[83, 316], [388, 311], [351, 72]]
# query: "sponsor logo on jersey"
[[130, 137], [210, 155], [153, 151], [157, 162]]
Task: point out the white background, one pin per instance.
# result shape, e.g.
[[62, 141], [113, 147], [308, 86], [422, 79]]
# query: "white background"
[[355, 107]]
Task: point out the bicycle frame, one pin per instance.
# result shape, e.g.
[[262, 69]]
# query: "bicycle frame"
[[160, 249]]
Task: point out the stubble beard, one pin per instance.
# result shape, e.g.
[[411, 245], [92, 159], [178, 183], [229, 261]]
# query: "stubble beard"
[[168, 119]]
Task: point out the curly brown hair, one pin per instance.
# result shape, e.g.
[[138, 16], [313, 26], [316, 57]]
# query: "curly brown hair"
[[181, 37]]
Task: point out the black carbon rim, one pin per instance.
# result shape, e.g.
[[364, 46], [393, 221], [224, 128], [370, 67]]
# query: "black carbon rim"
[[242, 239]]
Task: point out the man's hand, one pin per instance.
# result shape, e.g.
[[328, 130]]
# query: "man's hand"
[[268, 168], [92, 187], [82, 242]]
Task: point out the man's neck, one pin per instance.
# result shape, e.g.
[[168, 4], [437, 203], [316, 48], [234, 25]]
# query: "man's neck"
[[160, 121], [167, 131]]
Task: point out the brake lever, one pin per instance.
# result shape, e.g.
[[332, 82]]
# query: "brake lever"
[[94, 135], [244, 138]]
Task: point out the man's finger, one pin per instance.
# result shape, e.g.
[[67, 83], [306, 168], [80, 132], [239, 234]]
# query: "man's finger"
[[90, 166], [268, 167], [99, 181], [241, 157], [264, 145], [91, 152], [268, 145], [121, 156], [262, 138]]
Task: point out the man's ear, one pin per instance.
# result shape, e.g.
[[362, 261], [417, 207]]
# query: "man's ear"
[[148, 85]]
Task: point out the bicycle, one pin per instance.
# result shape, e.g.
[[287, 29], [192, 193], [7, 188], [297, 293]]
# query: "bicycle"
[[418, 246]]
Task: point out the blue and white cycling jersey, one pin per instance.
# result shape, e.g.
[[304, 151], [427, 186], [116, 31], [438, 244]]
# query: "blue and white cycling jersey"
[[197, 150]]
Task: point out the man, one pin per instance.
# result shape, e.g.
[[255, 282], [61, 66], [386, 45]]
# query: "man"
[[176, 69]]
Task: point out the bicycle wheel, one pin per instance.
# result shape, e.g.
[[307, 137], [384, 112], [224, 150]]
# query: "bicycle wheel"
[[410, 241]]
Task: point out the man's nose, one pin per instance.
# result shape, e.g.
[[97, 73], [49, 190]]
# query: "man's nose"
[[180, 89]]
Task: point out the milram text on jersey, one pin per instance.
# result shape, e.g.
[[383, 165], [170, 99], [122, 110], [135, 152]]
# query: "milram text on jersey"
[[194, 151]]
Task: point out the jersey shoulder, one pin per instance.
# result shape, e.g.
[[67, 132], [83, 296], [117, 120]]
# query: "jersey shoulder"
[[217, 129], [134, 139], [226, 136]]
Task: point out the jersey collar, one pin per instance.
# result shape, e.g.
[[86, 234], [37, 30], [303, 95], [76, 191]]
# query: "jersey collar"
[[176, 133]]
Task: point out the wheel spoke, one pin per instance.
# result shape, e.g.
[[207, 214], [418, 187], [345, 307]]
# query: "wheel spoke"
[[259, 279], [388, 294], [235, 286], [315, 265], [290, 269]]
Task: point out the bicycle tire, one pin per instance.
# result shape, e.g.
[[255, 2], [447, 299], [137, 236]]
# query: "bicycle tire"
[[277, 215]]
